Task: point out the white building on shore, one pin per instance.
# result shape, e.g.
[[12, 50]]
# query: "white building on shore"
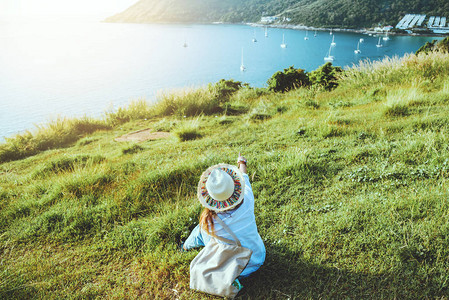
[[435, 24], [268, 19]]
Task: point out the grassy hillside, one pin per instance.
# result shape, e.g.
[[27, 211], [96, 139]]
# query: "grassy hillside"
[[351, 190], [320, 13]]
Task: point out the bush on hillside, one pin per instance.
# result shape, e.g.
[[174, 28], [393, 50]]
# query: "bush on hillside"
[[193, 102], [325, 76], [224, 89], [435, 45], [289, 79], [427, 47]]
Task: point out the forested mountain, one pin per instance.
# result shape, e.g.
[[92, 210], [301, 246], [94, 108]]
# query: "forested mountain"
[[329, 13]]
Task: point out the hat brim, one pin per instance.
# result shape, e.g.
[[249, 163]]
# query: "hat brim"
[[237, 196]]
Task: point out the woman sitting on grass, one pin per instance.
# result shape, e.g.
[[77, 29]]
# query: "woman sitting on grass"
[[225, 192]]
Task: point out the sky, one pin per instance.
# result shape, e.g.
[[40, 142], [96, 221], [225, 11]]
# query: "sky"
[[102, 8]]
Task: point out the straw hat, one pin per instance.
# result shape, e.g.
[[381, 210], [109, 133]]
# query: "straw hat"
[[221, 187]]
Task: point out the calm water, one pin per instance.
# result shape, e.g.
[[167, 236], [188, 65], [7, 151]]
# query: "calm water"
[[84, 67]]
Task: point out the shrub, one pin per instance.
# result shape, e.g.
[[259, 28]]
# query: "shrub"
[[325, 76], [435, 45], [224, 89], [287, 80], [427, 47]]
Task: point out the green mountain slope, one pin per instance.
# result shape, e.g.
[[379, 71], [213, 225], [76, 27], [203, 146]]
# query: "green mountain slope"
[[332, 13], [176, 11]]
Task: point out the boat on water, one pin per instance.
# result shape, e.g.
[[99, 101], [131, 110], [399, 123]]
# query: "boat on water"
[[386, 37], [242, 66], [329, 57], [333, 41], [306, 37], [266, 31], [254, 38], [379, 44], [330, 32], [283, 45], [361, 40], [185, 44], [315, 34], [357, 51]]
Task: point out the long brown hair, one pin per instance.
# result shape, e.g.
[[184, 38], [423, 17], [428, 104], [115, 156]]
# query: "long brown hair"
[[207, 220]]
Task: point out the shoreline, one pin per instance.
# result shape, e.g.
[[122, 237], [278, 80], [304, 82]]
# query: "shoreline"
[[290, 26], [361, 31]]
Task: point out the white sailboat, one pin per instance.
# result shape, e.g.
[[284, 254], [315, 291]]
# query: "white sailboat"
[[283, 45], [185, 44], [242, 66], [315, 34], [266, 31], [329, 57], [386, 37], [361, 40], [254, 38], [306, 37], [357, 51], [330, 32], [379, 44], [333, 43]]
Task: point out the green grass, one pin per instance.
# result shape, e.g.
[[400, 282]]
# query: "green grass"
[[188, 131], [351, 190]]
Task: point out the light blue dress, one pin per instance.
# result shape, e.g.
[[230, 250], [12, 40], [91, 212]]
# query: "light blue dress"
[[242, 222]]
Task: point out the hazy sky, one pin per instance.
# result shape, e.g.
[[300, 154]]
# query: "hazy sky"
[[63, 7]]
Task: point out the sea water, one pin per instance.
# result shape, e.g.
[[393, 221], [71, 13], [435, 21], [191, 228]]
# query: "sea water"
[[72, 67]]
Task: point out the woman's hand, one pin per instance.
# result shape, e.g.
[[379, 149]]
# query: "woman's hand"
[[241, 162]]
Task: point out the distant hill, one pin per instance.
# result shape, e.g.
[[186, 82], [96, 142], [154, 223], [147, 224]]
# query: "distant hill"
[[328, 13]]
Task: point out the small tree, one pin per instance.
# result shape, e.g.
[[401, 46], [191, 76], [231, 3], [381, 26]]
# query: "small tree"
[[326, 76], [289, 79], [224, 89]]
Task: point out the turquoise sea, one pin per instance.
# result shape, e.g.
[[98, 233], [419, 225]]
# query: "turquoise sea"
[[74, 67]]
